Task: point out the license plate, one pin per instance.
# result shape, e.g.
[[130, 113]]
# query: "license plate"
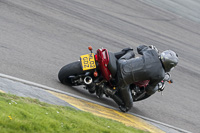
[[88, 61]]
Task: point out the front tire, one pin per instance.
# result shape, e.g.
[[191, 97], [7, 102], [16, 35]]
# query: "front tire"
[[71, 69]]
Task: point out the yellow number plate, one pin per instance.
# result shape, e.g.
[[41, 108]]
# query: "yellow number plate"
[[88, 62]]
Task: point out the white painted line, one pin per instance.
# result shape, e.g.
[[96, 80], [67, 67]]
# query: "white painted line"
[[69, 94]]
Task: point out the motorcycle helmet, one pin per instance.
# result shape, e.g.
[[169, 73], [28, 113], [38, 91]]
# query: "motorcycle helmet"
[[169, 60]]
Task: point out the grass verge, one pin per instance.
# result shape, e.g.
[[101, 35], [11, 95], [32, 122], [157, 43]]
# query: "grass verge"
[[19, 114]]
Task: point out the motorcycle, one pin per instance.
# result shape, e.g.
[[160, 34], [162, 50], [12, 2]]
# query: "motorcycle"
[[98, 71]]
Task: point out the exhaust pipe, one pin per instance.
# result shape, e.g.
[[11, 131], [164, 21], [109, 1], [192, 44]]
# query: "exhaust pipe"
[[89, 84], [87, 80]]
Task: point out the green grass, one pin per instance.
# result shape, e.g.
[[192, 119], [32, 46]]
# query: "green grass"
[[18, 115]]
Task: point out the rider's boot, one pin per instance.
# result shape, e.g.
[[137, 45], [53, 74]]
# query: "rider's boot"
[[123, 108]]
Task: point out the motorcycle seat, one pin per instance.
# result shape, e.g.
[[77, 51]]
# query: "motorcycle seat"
[[112, 65]]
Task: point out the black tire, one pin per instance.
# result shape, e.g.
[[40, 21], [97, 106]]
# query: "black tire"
[[69, 70]]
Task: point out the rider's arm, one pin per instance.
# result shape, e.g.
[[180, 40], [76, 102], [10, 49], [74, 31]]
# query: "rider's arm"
[[152, 88]]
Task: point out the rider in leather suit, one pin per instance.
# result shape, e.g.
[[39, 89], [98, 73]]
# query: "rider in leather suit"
[[150, 66]]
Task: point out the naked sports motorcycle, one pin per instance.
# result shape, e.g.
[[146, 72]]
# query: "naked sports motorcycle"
[[98, 71]]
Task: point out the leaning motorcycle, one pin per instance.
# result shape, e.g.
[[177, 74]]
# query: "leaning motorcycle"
[[98, 71]]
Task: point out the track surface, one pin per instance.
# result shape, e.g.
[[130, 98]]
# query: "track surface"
[[38, 37]]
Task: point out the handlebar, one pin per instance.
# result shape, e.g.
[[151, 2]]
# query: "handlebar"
[[168, 78], [161, 85]]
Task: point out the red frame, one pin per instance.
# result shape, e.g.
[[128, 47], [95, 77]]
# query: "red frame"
[[102, 58]]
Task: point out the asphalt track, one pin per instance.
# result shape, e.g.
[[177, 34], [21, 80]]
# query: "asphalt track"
[[38, 37]]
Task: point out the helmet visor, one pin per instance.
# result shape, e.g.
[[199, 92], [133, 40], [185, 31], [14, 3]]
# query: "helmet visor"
[[172, 69]]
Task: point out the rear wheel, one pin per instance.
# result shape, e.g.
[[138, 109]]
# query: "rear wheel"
[[71, 69]]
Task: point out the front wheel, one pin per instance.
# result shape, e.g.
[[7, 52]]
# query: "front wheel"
[[71, 69]]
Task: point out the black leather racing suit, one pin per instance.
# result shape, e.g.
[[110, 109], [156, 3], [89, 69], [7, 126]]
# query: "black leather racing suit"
[[146, 67]]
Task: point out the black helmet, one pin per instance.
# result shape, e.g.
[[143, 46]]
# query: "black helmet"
[[169, 59]]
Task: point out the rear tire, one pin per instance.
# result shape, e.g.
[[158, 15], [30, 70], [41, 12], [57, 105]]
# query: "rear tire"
[[71, 69]]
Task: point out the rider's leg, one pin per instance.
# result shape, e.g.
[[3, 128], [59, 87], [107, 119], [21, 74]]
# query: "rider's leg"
[[123, 52], [125, 101], [128, 55], [126, 97], [123, 87]]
